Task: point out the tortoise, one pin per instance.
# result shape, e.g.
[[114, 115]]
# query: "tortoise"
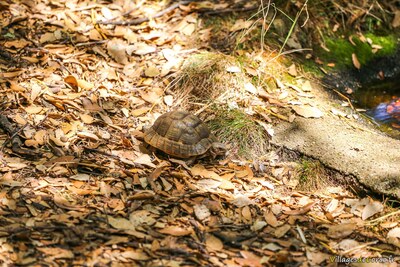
[[183, 135]]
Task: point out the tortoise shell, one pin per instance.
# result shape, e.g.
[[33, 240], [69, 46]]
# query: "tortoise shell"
[[180, 134]]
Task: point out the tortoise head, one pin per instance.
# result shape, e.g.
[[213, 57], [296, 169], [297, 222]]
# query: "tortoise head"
[[217, 149]]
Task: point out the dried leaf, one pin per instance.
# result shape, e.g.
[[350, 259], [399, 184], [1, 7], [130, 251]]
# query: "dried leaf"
[[200, 170], [341, 230], [33, 109], [152, 97], [139, 112], [117, 50], [135, 255], [393, 236], [152, 72], [85, 85], [87, 118], [306, 86], [242, 201], [72, 81], [188, 29], [201, 211], [292, 70], [80, 177], [281, 231], [56, 253], [371, 209], [143, 49], [246, 213], [249, 87], [233, 69], [168, 100], [144, 159], [396, 19], [176, 230], [36, 89], [308, 111], [120, 223], [241, 24], [356, 63], [271, 219], [213, 243]]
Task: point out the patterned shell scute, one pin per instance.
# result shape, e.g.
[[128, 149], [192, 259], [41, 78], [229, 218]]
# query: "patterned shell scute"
[[180, 134]]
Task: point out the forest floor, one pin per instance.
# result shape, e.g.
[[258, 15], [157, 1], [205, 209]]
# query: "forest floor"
[[78, 86]]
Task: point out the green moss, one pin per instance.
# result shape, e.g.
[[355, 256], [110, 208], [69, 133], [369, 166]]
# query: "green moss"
[[341, 49], [388, 43], [310, 66]]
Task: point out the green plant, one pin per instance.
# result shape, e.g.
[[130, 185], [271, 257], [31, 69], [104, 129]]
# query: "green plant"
[[248, 138], [312, 175]]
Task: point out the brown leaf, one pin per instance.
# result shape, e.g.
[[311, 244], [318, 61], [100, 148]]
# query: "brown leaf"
[[249, 259], [144, 159], [21, 43], [308, 111], [62, 202], [152, 97], [117, 50], [87, 118], [138, 112], [306, 86], [246, 213], [356, 63], [316, 258], [371, 209], [292, 70], [36, 90], [175, 230], [188, 29], [396, 19], [341, 230], [143, 49], [242, 201], [201, 211], [85, 84], [281, 231], [200, 170], [393, 236], [241, 24], [19, 119], [33, 109], [120, 223], [135, 255], [72, 81], [213, 243], [56, 253], [151, 71], [271, 219], [300, 211]]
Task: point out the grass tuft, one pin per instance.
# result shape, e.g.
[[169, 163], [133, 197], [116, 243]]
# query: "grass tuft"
[[247, 138], [312, 176], [205, 78]]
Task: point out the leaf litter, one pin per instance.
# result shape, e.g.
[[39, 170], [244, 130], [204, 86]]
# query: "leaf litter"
[[84, 90]]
